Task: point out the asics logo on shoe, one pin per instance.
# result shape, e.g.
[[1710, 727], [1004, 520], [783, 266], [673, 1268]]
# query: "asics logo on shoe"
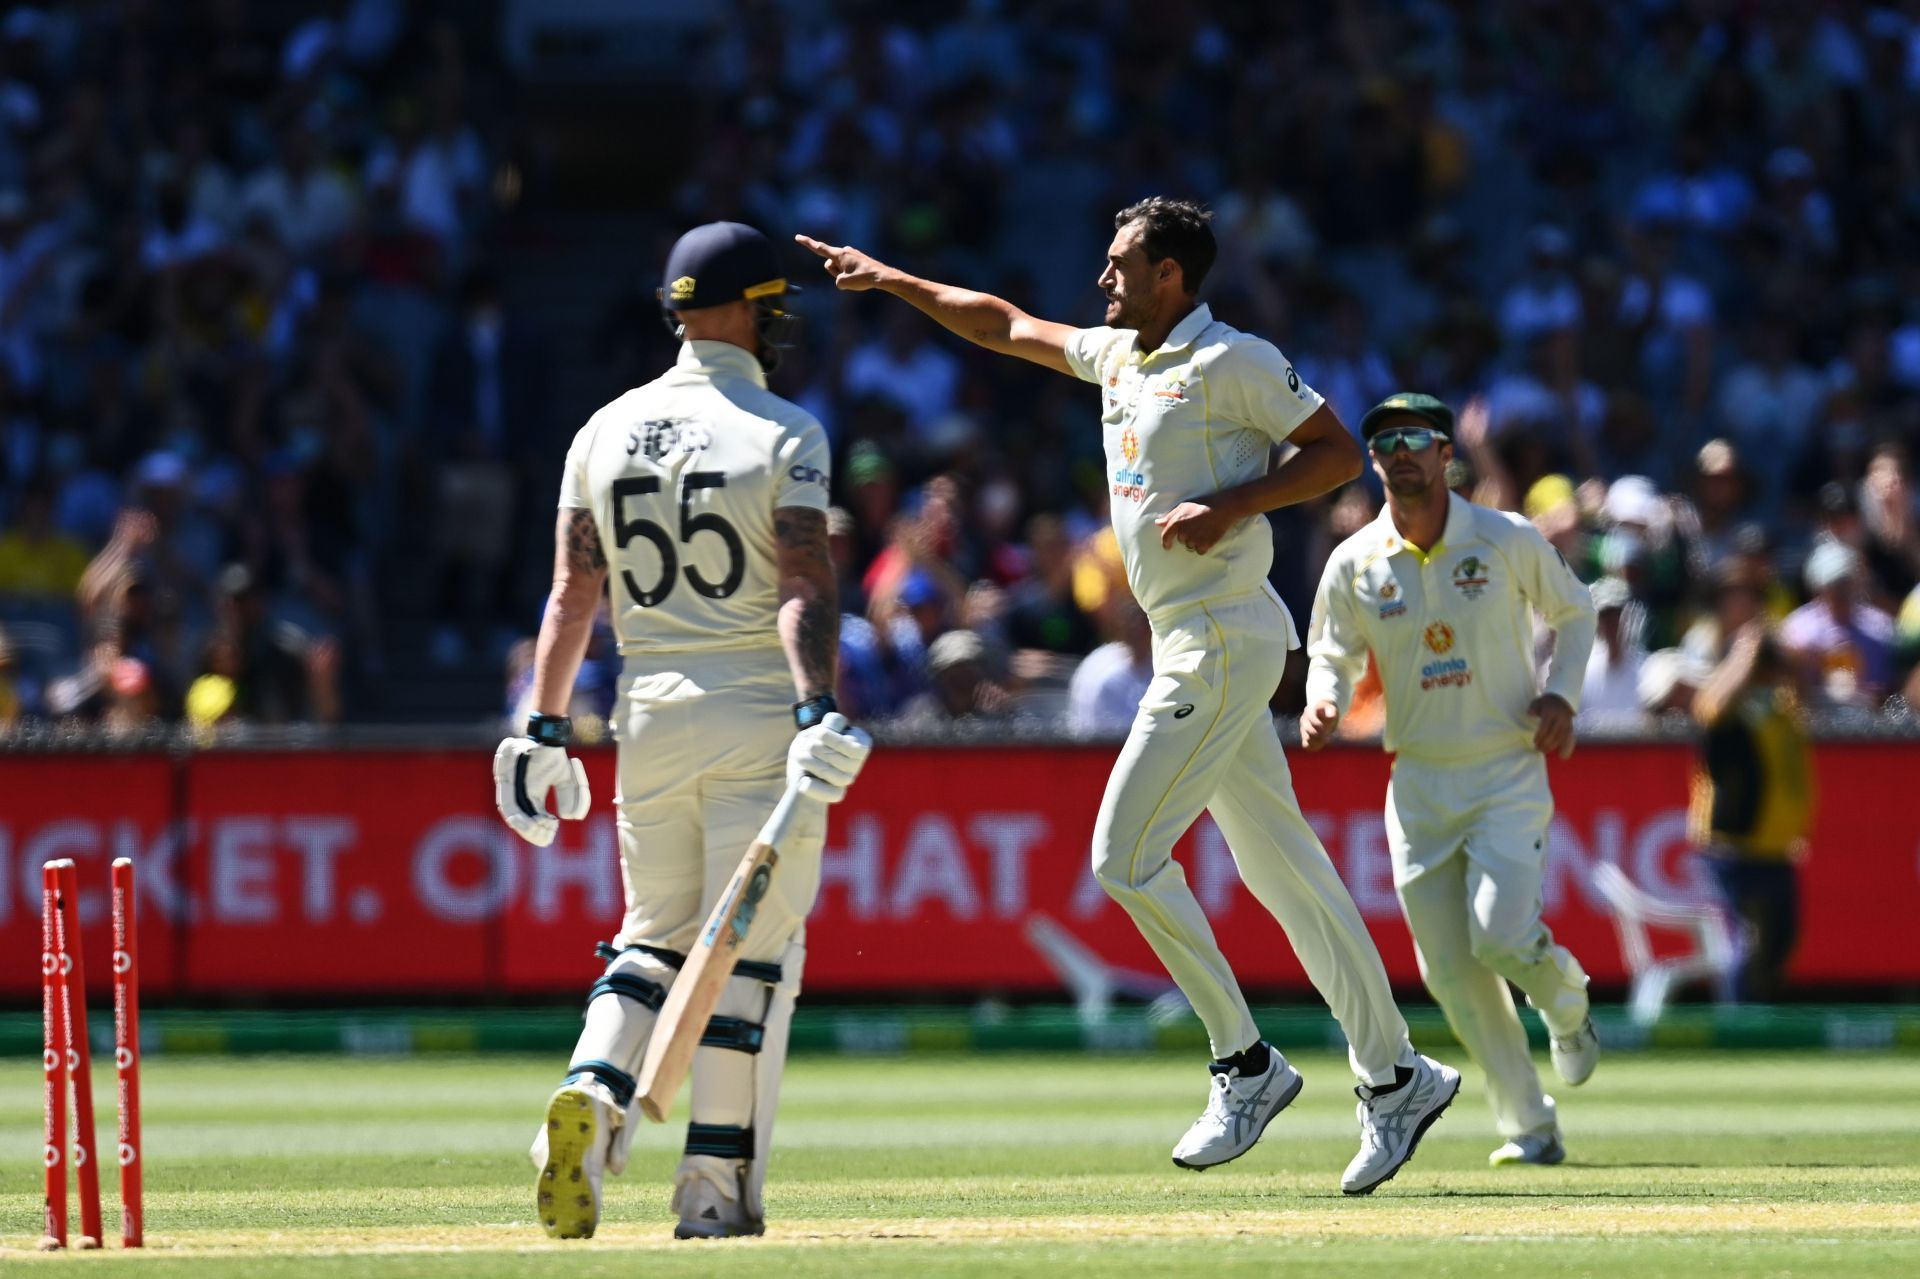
[[1391, 1121], [1240, 1109]]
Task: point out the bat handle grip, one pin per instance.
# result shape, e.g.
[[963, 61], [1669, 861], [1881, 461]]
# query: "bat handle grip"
[[774, 833]]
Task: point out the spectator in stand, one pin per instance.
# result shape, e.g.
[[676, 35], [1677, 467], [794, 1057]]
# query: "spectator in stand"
[[1104, 694], [1713, 520], [1889, 512], [962, 687], [28, 258], [908, 368], [1544, 299], [1349, 370], [1641, 545], [12, 701], [1672, 313], [1612, 682], [132, 707], [1797, 212], [1841, 645], [1906, 638], [184, 232], [1549, 396], [276, 673], [38, 562], [309, 204], [927, 540], [438, 175], [1044, 614], [1753, 807], [1767, 407]]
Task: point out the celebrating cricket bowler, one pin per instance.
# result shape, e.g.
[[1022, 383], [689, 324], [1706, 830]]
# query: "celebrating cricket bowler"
[[1442, 593], [1191, 412], [702, 497]]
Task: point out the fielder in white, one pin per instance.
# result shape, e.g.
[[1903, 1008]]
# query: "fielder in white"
[[1442, 593], [1192, 410], [701, 497]]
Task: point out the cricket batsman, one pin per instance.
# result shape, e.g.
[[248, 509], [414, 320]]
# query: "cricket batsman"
[[1191, 410], [1442, 593], [702, 498]]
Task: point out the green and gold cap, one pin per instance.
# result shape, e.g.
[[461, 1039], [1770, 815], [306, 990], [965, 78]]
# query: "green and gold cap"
[[1425, 407]]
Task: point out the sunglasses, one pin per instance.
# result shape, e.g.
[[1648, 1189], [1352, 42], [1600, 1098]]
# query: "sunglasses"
[[1414, 439]]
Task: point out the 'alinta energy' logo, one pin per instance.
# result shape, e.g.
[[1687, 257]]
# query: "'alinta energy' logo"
[[1129, 446], [1439, 637]]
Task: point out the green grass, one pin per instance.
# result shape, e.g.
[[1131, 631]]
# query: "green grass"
[[1744, 1164]]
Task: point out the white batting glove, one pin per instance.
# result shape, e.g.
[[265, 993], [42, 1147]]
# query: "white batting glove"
[[824, 759], [523, 772]]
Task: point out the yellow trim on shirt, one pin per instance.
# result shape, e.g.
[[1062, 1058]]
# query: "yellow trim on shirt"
[[1425, 557]]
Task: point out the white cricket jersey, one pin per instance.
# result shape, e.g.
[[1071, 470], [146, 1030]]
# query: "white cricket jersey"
[[1198, 415], [1451, 630], [683, 476]]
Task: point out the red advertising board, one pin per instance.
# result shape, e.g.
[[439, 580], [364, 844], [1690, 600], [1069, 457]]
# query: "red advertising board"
[[335, 874], [92, 808]]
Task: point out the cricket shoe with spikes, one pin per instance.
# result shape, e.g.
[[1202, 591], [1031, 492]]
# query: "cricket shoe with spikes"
[[1239, 1108], [581, 1121], [1530, 1148], [1575, 1055], [706, 1194], [1393, 1119]]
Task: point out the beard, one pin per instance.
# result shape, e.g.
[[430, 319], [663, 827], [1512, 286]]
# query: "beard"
[[1123, 313], [1409, 483]]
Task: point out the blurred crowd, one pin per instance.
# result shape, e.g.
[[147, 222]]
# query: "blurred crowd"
[[242, 291], [1664, 248]]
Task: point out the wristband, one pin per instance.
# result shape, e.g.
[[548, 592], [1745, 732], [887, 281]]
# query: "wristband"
[[810, 712], [550, 730]]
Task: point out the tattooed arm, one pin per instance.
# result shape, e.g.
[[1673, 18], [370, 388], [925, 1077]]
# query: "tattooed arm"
[[809, 599], [579, 580]]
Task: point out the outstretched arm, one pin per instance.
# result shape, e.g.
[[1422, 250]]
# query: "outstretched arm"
[[980, 318]]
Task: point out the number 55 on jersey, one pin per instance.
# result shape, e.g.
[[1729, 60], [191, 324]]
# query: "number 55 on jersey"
[[684, 502]]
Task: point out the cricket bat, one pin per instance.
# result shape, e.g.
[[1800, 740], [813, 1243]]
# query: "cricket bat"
[[696, 991]]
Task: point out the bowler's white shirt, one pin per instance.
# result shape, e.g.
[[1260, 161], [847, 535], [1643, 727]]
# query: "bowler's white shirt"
[[1451, 630], [1198, 415]]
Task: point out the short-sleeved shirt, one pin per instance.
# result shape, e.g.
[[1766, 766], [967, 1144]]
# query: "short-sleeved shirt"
[[1451, 631], [683, 476], [1198, 415]]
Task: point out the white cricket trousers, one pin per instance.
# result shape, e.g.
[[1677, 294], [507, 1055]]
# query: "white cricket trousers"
[[1204, 739], [1469, 845], [702, 762]]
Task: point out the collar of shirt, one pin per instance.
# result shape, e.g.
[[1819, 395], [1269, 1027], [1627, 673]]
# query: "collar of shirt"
[[1459, 519], [1184, 333], [721, 357]]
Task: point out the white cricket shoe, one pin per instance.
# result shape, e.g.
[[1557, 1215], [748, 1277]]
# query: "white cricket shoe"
[[706, 1194], [1530, 1148], [1392, 1123], [1575, 1056], [1238, 1112], [581, 1118]]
